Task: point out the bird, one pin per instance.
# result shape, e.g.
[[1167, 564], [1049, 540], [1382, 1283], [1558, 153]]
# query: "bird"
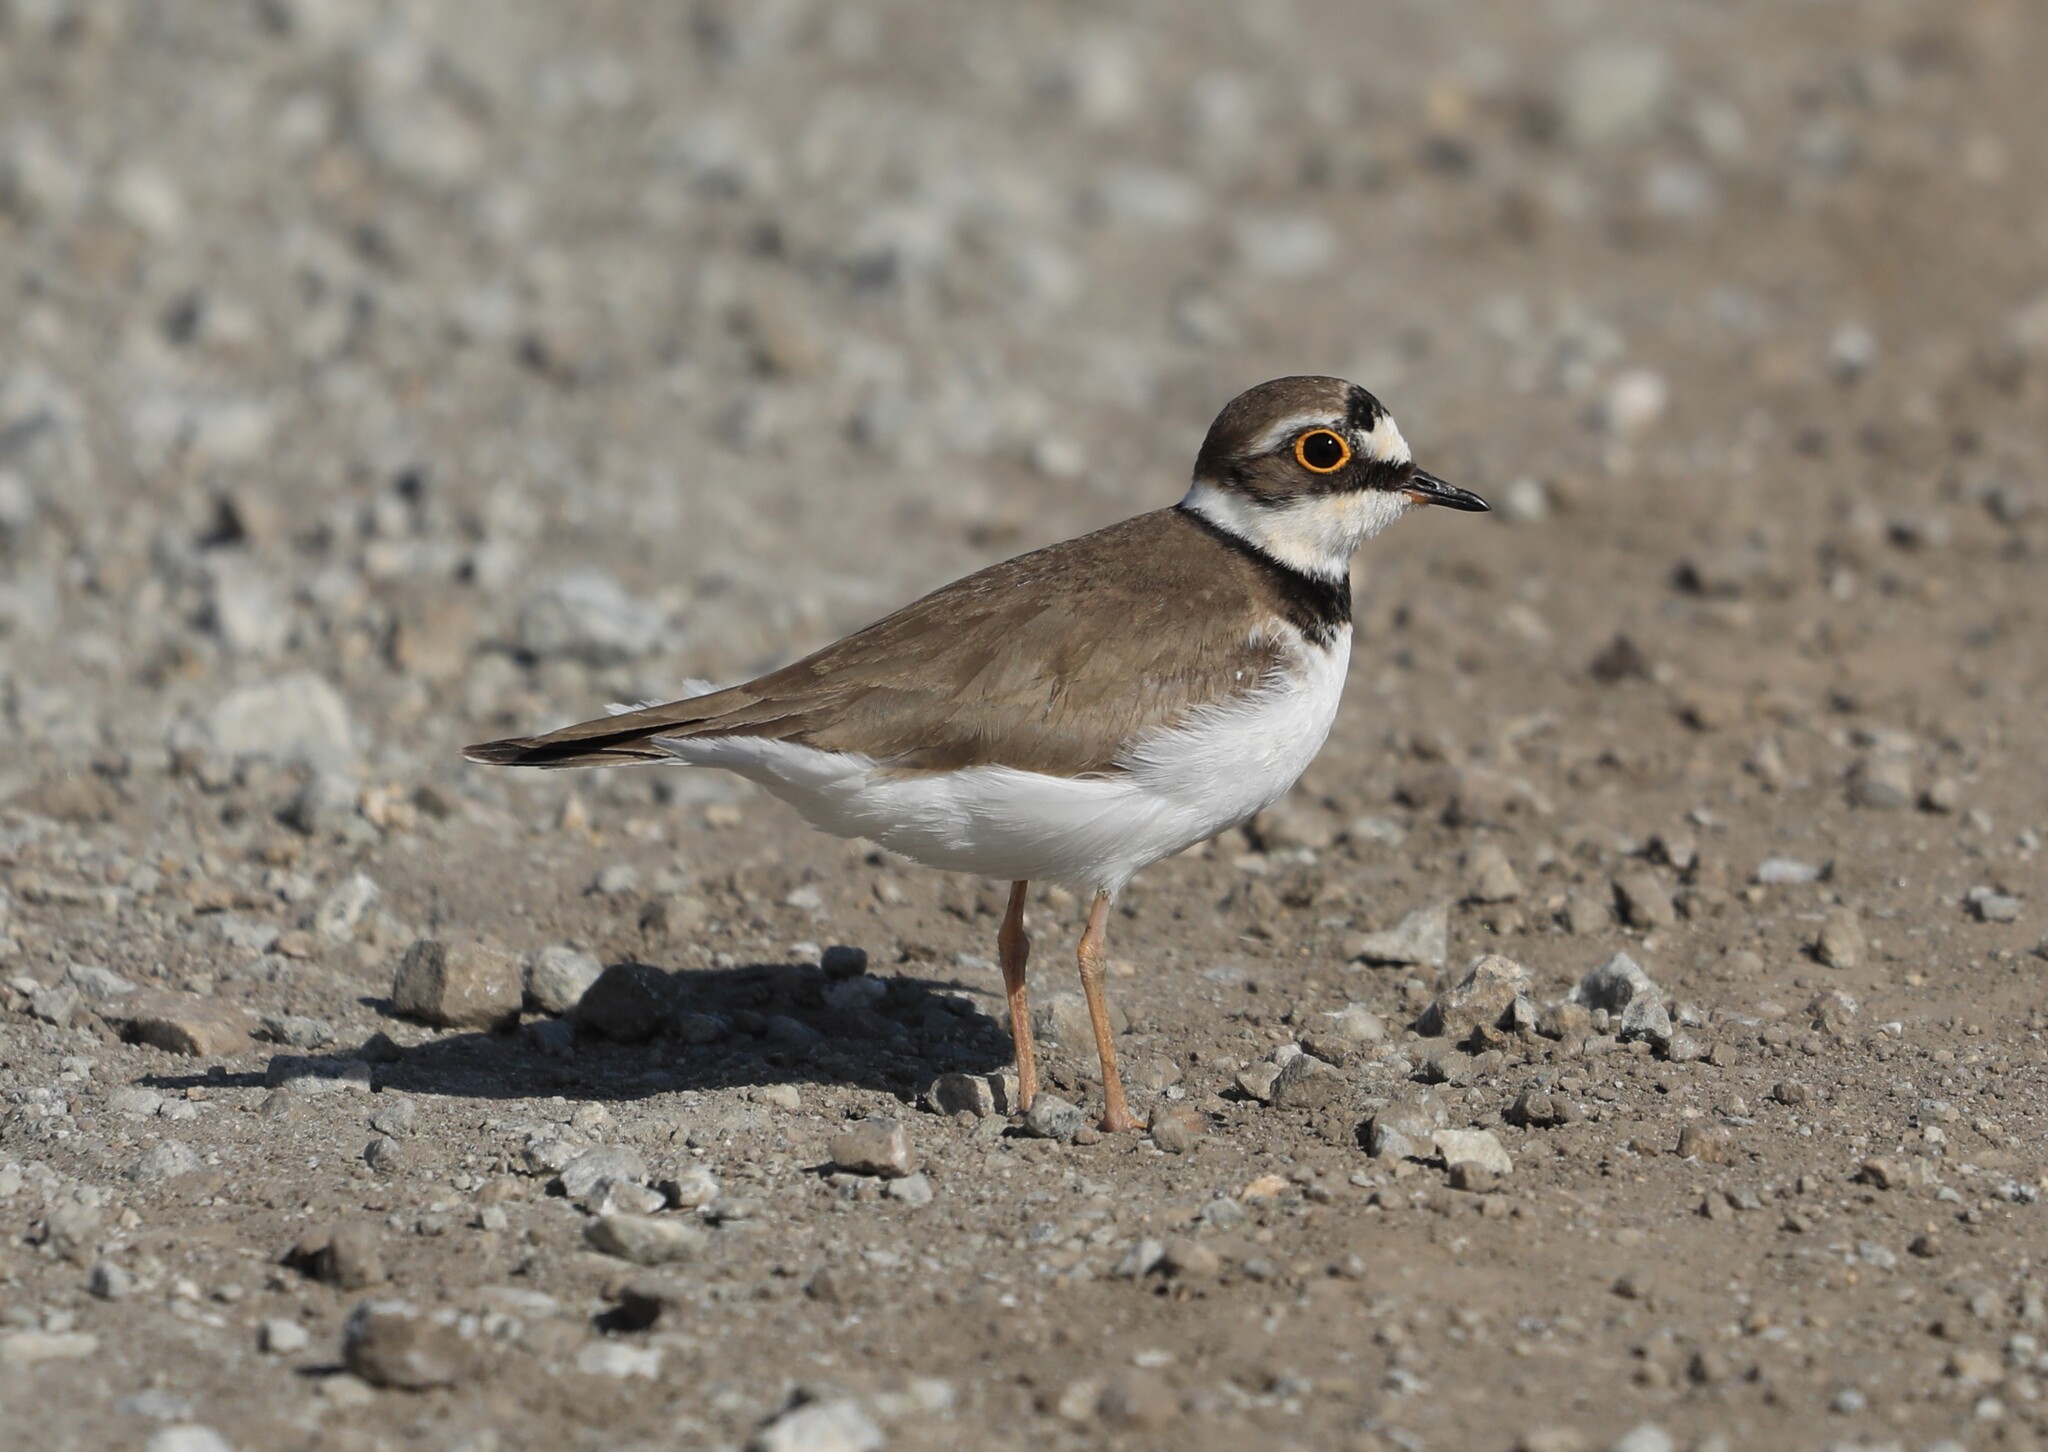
[[1080, 712]]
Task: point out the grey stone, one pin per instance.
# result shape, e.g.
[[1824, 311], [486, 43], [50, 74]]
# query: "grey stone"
[[169, 1160], [348, 1256], [1490, 877], [874, 1147], [109, 1281], [1357, 1024], [187, 1437], [325, 803], [384, 1154], [1481, 999], [1647, 1438], [1841, 943], [457, 985], [1473, 1146], [646, 1239], [1306, 1082], [297, 717], [584, 615], [693, 1189], [341, 912], [1406, 1129], [1786, 872], [98, 984], [1257, 1080], [842, 960], [626, 1004], [391, 1344], [182, 1023], [297, 1030], [615, 1162], [395, 1116], [1421, 939], [1994, 907], [278, 1336], [1881, 783], [1644, 900], [914, 1190], [1614, 984], [1177, 1128], [33, 1348], [1646, 1018], [558, 976], [1051, 1117], [836, 1425]]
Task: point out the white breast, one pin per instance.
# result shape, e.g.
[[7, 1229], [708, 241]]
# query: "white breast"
[[1179, 787]]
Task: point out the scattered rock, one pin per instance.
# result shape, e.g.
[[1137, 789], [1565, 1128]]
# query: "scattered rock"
[[1472, 1146], [1644, 901], [33, 1348], [1710, 1144], [1177, 1128], [183, 1023], [1307, 1082], [1841, 943], [1051, 1117], [347, 1257], [1490, 877], [187, 1438], [558, 976], [1407, 1129], [646, 1239], [1257, 1080], [584, 615], [280, 1337], [875, 1147], [1542, 1109], [836, 1425], [1481, 999], [391, 1344], [1421, 939], [583, 1173], [627, 1003], [457, 985], [1614, 985], [169, 1160], [1881, 783], [296, 718]]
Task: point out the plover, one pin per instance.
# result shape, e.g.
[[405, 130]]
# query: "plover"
[[1080, 712]]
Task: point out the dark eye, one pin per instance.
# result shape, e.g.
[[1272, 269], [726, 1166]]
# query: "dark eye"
[[1321, 452]]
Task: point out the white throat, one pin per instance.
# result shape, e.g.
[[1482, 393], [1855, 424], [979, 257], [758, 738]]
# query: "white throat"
[[1315, 533]]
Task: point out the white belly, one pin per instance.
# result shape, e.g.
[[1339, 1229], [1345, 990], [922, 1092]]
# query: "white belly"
[[1178, 788]]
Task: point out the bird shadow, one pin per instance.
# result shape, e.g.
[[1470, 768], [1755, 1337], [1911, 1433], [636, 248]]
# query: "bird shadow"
[[641, 1031]]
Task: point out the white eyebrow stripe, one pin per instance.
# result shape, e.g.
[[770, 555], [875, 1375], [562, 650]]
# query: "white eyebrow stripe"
[[1287, 428]]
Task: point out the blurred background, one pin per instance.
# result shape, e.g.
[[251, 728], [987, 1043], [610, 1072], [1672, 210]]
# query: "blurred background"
[[486, 360]]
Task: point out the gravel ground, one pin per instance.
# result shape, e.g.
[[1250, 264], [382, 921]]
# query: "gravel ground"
[[1628, 1035]]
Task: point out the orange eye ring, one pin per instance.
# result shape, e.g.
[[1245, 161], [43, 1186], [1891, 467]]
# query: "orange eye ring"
[[1312, 450]]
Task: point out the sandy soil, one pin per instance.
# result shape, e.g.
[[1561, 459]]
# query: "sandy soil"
[[378, 378]]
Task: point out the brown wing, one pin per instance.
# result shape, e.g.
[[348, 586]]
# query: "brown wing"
[[1051, 662]]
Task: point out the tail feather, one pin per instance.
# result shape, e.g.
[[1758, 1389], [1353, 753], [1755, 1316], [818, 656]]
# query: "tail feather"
[[627, 737]]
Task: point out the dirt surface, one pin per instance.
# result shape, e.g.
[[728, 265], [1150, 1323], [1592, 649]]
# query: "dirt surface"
[[380, 378]]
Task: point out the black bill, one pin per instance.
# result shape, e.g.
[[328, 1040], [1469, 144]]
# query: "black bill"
[[1426, 488]]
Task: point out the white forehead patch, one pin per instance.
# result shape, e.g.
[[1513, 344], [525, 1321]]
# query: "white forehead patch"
[[1384, 443]]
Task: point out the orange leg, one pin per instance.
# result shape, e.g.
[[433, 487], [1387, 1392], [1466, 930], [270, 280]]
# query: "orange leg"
[[1116, 1115], [1013, 947]]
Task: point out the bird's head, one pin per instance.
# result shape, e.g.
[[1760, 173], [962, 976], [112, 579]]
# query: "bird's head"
[[1308, 469]]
